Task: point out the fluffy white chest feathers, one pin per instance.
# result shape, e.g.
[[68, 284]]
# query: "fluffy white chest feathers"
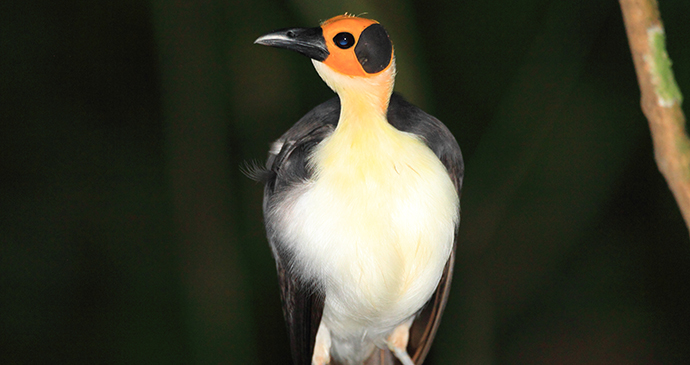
[[375, 226]]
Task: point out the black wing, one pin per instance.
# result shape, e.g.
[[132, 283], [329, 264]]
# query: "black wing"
[[287, 166]]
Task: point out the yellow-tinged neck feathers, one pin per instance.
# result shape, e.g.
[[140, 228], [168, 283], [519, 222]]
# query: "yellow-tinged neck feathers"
[[361, 98]]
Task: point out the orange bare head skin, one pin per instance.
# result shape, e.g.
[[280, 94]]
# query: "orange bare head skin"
[[345, 61]]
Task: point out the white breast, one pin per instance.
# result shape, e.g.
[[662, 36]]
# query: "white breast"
[[375, 227]]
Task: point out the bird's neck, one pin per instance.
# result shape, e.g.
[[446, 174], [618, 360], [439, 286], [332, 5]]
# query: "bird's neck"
[[362, 107], [363, 100]]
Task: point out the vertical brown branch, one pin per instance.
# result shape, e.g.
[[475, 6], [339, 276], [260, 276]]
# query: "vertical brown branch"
[[661, 98]]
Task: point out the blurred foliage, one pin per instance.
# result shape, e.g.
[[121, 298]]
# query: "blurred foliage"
[[128, 233]]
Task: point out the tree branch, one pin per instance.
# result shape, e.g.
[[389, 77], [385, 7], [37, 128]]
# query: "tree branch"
[[661, 97]]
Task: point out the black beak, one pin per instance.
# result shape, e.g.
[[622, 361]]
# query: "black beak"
[[307, 41]]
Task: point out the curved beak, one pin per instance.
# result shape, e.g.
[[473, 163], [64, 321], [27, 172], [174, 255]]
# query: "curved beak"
[[307, 41]]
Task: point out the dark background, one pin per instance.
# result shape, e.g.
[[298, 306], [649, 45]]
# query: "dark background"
[[129, 235]]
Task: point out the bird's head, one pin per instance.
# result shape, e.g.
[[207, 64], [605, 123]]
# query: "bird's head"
[[353, 55]]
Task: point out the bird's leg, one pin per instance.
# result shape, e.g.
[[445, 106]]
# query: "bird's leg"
[[397, 342], [322, 347]]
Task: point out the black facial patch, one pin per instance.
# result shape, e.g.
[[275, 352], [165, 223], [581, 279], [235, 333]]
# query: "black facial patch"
[[374, 49]]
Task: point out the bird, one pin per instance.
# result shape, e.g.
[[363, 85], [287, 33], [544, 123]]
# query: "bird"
[[361, 206]]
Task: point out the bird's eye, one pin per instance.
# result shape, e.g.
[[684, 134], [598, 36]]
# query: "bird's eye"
[[344, 40]]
